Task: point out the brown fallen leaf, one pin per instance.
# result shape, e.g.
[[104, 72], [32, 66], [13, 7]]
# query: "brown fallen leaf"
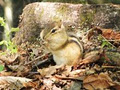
[[50, 70], [109, 34], [69, 78], [98, 81], [91, 57], [8, 58], [47, 71], [4, 73], [12, 83]]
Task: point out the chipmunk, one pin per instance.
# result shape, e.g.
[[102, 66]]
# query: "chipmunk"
[[66, 49]]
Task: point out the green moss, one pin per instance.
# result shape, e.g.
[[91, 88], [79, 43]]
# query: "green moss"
[[41, 14], [114, 57], [62, 9], [86, 18], [31, 11], [56, 18]]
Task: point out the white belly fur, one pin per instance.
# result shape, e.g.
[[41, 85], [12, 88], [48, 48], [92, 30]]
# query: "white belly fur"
[[67, 55]]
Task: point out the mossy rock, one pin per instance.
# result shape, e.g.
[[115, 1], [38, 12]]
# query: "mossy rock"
[[35, 16]]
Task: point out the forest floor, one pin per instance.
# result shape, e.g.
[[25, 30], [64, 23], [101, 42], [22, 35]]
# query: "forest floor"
[[33, 69]]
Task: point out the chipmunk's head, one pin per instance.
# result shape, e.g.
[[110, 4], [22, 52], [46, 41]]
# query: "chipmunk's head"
[[54, 35]]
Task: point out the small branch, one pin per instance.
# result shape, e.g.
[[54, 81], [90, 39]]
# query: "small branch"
[[36, 60], [112, 40], [113, 67], [68, 78]]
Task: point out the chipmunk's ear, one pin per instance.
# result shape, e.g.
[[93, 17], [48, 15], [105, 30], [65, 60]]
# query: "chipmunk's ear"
[[58, 23]]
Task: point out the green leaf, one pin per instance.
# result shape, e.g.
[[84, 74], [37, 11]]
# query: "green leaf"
[[2, 42], [10, 46], [2, 22], [1, 68], [104, 43], [14, 29]]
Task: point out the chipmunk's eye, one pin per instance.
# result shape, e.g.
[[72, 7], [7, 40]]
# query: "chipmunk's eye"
[[53, 30]]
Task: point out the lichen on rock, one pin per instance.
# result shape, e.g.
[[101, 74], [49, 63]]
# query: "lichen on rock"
[[36, 15]]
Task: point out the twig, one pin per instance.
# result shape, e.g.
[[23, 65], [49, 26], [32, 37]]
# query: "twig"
[[112, 40], [36, 59], [68, 78], [114, 67]]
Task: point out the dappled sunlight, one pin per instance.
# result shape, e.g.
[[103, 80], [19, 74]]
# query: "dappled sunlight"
[[59, 45]]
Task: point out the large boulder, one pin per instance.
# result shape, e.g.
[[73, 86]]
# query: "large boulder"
[[35, 16]]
